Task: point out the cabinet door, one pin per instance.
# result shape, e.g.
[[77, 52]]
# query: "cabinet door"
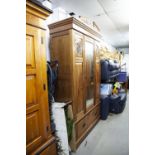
[[35, 122], [79, 74], [89, 72], [97, 72]]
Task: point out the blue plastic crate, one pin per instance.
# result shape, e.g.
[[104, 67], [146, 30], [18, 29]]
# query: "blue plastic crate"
[[122, 77]]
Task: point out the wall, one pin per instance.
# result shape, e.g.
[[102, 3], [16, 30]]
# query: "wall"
[[126, 57], [109, 47], [125, 49]]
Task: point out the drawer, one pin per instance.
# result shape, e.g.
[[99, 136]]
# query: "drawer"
[[81, 127], [50, 150]]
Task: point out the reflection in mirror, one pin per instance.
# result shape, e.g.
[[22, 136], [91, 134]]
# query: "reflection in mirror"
[[89, 55]]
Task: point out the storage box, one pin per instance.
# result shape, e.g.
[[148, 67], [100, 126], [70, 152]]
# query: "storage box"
[[122, 77]]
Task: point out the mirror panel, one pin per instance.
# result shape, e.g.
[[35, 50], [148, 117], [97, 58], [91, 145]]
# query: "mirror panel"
[[89, 58]]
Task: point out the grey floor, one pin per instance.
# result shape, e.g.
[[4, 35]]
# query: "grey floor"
[[109, 137]]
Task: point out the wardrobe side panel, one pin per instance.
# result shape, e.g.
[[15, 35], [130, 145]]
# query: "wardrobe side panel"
[[60, 51]]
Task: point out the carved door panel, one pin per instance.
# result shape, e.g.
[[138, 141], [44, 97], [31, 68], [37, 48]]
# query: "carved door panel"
[[35, 131], [79, 74], [78, 44]]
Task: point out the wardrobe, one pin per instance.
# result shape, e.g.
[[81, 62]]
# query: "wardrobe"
[[76, 47], [39, 140]]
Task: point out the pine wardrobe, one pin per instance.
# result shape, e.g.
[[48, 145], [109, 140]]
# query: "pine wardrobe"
[[39, 140], [76, 48]]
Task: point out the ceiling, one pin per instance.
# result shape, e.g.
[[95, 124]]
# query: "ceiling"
[[110, 15]]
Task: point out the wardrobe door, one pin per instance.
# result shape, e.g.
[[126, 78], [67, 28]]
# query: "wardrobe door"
[[89, 72], [97, 72], [35, 124], [79, 74]]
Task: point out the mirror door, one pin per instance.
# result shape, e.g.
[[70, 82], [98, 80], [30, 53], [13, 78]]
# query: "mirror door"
[[89, 72]]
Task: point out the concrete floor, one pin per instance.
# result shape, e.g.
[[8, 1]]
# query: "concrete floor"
[[109, 137]]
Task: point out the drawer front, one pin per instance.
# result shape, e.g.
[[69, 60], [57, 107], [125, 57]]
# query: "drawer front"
[[50, 150], [81, 127]]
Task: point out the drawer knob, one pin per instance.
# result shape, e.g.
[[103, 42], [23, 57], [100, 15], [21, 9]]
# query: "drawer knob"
[[84, 125]]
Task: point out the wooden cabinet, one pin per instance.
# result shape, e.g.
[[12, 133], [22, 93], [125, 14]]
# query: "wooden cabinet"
[[37, 113], [76, 47]]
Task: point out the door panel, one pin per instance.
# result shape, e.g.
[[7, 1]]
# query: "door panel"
[[97, 76], [30, 90], [30, 51], [78, 44], [97, 72], [34, 117], [32, 127]]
